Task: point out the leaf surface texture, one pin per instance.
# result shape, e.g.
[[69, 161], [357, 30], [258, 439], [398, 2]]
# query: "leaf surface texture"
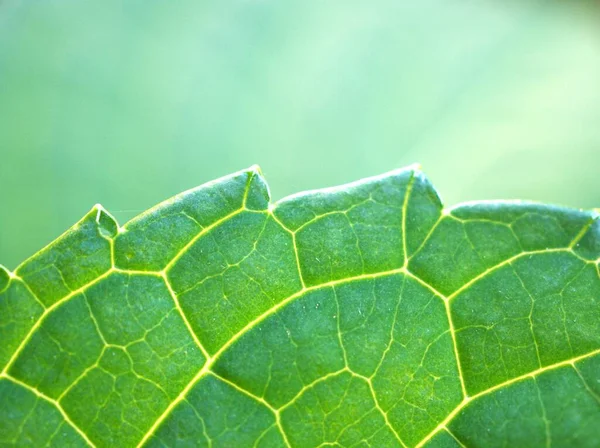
[[356, 316]]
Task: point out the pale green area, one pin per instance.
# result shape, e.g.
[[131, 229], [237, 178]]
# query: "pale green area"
[[362, 316], [127, 103]]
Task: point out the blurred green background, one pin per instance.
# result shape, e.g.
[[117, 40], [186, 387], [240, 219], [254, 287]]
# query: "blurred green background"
[[129, 102]]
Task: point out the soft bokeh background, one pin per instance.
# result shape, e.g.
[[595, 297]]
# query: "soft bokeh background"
[[129, 102]]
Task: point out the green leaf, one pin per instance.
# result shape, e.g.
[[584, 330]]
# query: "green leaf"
[[363, 315]]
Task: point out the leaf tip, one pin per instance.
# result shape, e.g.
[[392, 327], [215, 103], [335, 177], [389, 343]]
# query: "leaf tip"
[[258, 195], [5, 276], [416, 167], [256, 170], [107, 224]]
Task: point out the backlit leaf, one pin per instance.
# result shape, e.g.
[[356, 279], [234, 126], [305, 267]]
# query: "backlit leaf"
[[363, 315]]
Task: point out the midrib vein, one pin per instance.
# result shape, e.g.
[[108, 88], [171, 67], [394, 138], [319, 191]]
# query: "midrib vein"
[[211, 360]]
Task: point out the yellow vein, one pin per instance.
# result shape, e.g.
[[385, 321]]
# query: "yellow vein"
[[535, 343], [46, 312], [569, 362], [426, 239], [461, 376], [254, 170], [455, 438], [203, 371], [61, 237], [260, 400], [83, 374], [544, 416], [206, 368], [201, 420], [506, 262], [294, 245], [311, 385], [589, 389], [303, 291], [392, 328], [298, 294], [269, 312], [65, 299], [409, 188], [330, 213], [338, 318], [246, 392], [184, 317], [199, 235], [280, 427], [450, 324], [378, 407], [583, 231], [27, 287], [51, 401]]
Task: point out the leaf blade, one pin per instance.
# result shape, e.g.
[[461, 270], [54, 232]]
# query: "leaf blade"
[[364, 312]]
